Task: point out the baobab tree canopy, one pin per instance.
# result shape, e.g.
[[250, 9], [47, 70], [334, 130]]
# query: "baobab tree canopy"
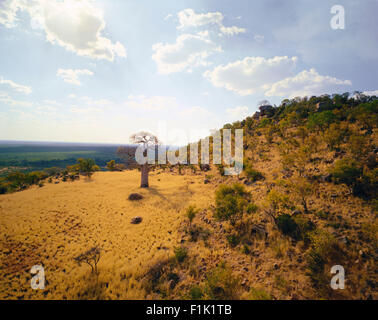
[[147, 140]]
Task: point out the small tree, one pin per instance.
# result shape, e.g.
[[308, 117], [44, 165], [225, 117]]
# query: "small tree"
[[90, 257], [191, 213], [347, 171], [303, 189], [148, 140], [111, 166], [87, 167], [230, 202], [335, 135]]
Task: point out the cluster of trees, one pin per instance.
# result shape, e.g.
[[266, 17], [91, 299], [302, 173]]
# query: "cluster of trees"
[[113, 166], [18, 181]]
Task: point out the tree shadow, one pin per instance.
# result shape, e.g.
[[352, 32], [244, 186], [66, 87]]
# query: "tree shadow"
[[93, 289], [155, 192]]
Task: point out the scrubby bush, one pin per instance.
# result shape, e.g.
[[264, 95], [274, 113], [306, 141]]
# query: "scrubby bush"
[[111, 165], [325, 252], [221, 284], [259, 294], [288, 226], [302, 133], [180, 254], [347, 171], [252, 208], [135, 197], [304, 227], [253, 174], [245, 249], [277, 203], [87, 167], [230, 202], [335, 135], [358, 146], [197, 232], [302, 190], [195, 293], [191, 212], [321, 120], [233, 240]]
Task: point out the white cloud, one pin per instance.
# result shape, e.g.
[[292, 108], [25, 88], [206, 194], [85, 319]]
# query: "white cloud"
[[15, 86], [156, 103], [259, 37], [196, 111], [5, 98], [230, 31], [189, 51], [104, 103], [74, 25], [371, 93], [168, 16], [252, 74], [8, 13], [72, 76], [238, 113], [188, 18], [307, 83]]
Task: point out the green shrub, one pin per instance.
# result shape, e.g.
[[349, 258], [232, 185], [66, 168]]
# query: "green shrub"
[[111, 165], [198, 232], [288, 226], [180, 254], [195, 293], [233, 240], [264, 122], [230, 202], [221, 284], [346, 171], [321, 120], [87, 166], [191, 212], [260, 294], [252, 208], [335, 135], [246, 249], [322, 214], [325, 252], [358, 146], [278, 203], [304, 227], [253, 174]]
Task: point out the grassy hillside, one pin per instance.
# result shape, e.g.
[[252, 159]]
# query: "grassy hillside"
[[306, 201]]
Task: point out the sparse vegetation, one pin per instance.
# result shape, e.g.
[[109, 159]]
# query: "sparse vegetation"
[[230, 202], [313, 205], [221, 284], [180, 254]]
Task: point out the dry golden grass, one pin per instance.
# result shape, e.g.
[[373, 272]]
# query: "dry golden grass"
[[53, 224]]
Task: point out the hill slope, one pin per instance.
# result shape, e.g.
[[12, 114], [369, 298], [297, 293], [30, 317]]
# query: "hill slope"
[[306, 201]]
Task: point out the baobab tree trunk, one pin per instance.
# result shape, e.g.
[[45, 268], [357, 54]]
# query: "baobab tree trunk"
[[144, 176]]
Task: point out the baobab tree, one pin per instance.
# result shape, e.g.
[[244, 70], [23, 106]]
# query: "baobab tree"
[[145, 140]]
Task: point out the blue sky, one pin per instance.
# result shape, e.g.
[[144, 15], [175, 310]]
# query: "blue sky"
[[98, 71]]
